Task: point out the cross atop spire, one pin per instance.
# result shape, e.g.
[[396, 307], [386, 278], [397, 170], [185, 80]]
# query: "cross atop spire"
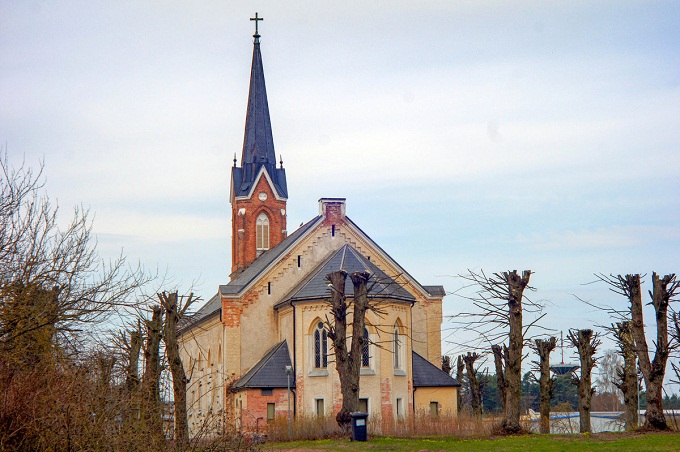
[[257, 34]]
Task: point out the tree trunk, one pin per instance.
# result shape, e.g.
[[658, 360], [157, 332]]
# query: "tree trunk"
[[543, 348], [473, 382], [348, 362], [586, 344], [653, 371], [152, 373], [500, 358], [460, 368], [173, 313], [627, 377], [513, 369]]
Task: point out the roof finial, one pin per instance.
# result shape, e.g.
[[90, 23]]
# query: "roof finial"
[[234, 159], [257, 34], [281, 160]]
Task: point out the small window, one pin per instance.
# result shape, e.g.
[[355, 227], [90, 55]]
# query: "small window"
[[365, 357], [262, 233], [434, 408], [267, 392], [320, 346], [269, 288], [363, 405], [400, 407], [320, 411], [299, 261], [271, 412], [333, 230]]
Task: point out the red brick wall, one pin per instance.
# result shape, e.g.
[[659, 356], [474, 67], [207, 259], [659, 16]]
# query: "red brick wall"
[[256, 405], [243, 246]]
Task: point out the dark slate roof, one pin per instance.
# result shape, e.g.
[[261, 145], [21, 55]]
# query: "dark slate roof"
[[350, 260], [437, 291], [265, 260], [212, 307], [269, 372], [258, 141], [426, 374]]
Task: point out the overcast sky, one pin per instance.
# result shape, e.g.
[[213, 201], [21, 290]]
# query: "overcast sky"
[[464, 134]]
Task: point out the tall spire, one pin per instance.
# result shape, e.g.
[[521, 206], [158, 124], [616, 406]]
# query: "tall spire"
[[258, 142]]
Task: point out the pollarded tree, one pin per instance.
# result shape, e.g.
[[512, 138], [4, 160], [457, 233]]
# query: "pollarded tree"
[[626, 377], [473, 383], [348, 356], [653, 370], [500, 303], [586, 343], [543, 349]]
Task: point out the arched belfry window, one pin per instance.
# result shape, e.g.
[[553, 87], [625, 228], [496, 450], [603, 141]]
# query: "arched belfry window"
[[262, 233], [320, 346], [365, 356]]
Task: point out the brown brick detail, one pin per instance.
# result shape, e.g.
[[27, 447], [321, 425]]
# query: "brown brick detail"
[[333, 210], [386, 402], [243, 244]]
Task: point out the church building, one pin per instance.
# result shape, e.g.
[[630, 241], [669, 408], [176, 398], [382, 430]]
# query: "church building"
[[264, 332]]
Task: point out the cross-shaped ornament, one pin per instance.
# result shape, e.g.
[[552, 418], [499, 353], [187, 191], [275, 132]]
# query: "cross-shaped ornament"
[[257, 34]]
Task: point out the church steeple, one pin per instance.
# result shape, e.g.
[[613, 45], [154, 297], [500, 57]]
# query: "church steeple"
[[258, 188]]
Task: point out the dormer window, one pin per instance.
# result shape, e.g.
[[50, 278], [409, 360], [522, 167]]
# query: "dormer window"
[[262, 233]]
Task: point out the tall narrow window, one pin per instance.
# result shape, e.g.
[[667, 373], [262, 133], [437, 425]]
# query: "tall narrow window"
[[365, 357], [262, 233], [320, 346], [396, 348], [271, 412]]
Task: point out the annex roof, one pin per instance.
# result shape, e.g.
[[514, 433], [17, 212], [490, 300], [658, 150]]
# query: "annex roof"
[[426, 374], [350, 260], [269, 372]]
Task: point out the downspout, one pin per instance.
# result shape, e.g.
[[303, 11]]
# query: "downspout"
[[294, 359], [413, 394]]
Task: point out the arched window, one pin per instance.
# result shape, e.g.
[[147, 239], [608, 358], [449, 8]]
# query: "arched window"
[[320, 346], [365, 357], [396, 347], [262, 233]]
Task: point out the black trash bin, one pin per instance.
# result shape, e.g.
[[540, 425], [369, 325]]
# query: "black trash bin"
[[359, 426]]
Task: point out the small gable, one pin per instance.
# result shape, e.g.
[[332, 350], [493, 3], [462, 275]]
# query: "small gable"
[[269, 372], [426, 374]]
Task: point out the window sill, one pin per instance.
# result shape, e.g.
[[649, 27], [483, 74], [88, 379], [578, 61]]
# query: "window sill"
[[318, 373], [399, 373], [367, 371]]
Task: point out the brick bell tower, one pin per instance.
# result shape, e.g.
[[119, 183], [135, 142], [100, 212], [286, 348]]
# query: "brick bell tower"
[[258, 188]]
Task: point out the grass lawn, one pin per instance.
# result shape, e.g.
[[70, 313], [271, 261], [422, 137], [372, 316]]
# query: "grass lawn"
[[602, 441]]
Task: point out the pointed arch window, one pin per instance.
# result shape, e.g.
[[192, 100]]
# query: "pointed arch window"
[[320, 346], [365, 356], [396, 347], [262, 233]]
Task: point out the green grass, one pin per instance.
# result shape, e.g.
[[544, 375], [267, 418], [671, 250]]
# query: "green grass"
[[607, 442]]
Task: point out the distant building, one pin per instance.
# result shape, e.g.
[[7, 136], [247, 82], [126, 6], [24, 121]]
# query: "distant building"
[[270, 315]]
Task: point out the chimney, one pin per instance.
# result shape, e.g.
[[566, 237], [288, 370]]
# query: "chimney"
[[332, 209]]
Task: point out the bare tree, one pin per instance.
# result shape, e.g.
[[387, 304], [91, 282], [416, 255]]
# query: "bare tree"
[[610, 365], [586, 343], [460, 369], [446, 364], [348, 360], [626, 376], [500, 358], [175, 309], [473, 383], [543, 349], [653, 370], [151, 402], [501, 303]]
